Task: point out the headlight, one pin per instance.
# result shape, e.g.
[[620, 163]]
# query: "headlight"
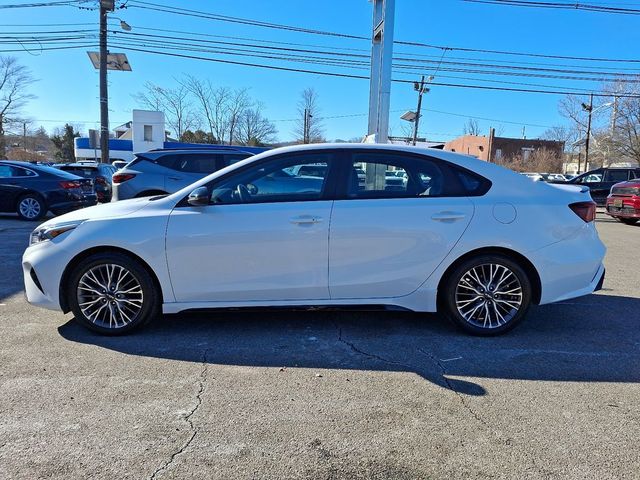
[[50, 232]]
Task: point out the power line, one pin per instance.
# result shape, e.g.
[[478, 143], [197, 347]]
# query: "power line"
[[366, 77], [245, 21], [63, 3], [561, 6]]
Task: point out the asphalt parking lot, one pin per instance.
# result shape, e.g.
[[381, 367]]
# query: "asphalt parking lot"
[[324, 395]]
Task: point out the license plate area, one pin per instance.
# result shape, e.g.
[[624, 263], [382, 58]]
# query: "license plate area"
[[617, 202]]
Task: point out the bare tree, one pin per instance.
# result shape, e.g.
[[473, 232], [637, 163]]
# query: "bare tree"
[[14, 80], [471, 127], [254, 129], [238, 102], [622, 139], [174, 102], [309, 128]]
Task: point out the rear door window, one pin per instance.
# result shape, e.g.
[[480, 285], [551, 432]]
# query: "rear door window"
[[616, 176], [198, 163]]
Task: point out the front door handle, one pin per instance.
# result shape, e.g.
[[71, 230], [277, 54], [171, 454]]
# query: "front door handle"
[[448, 216], [305, 220], [175, 178]]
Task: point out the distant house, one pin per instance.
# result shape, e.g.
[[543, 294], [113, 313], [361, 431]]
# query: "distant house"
[[493, 149]]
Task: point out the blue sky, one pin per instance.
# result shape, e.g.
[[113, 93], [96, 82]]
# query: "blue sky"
[[67, 89]]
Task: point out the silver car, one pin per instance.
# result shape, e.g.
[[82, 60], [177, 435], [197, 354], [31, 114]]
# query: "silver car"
[[159, 172]]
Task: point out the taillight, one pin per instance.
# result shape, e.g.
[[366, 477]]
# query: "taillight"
[[69, 184], [585, 210], [101, 180], [122, 177]]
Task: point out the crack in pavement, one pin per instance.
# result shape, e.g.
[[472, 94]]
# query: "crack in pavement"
[[370, 355], [451, 387], [194, 430]]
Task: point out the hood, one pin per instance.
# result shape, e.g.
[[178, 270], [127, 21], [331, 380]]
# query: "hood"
[[106, 210]]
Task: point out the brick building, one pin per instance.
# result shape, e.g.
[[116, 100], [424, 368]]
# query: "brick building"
[[491, 148]]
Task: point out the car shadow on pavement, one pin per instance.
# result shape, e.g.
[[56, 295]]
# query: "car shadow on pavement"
[[594, 339]]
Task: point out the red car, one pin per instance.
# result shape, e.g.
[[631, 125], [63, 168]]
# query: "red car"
[[623, 203]]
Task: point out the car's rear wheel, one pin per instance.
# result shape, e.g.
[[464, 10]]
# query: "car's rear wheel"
[[486, 295], [112, 294], [629, 221], [31, 207]]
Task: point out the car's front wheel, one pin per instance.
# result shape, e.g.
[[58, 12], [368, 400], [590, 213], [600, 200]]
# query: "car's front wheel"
[[486, 294], [112, 293]]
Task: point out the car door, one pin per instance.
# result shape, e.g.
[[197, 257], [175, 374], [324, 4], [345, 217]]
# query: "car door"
[[386, 240], [250, 244], [10, 187]]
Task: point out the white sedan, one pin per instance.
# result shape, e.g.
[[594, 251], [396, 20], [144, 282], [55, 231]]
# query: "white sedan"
[[469, 239]]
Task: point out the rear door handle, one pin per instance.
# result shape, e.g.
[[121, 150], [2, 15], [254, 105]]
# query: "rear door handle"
[[305, 220], [175, 178], [448, 216]]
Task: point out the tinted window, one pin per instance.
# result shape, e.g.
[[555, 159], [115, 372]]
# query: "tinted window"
[[616, 176], [22, 172], [168, 161], [231, 159], [274, 181], [197, 163], [86, 172], [422, 177], [5, 171]]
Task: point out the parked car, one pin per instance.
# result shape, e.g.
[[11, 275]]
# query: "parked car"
[[556, 176], [536, 177], [623, 203], [100, 173], [470, 239], [32, 190], [159, 172], [601, 180]]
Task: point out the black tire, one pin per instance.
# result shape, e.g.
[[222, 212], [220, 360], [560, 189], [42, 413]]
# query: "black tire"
[[461, 293], [31, 207], [629, 221], [79, 295]]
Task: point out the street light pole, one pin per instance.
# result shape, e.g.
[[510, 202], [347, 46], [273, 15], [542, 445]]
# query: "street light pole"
[[105, 7]]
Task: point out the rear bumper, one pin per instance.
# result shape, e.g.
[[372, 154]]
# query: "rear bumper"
[[70, 205], [572, 267], [630, 207]]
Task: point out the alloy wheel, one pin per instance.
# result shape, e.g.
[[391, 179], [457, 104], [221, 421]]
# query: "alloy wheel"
[[30, 208], [488, 295], [110, 296]]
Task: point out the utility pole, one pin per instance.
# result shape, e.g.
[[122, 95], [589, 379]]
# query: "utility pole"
[[24, 136], [380, 78], [588, 108], [421, 90], [305, 128], [105, 7]]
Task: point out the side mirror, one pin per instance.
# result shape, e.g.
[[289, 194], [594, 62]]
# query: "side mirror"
[[200, 197]]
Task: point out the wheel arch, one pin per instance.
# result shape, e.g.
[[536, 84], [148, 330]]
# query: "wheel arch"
[[529, 268], [27, 192], [64, 300]]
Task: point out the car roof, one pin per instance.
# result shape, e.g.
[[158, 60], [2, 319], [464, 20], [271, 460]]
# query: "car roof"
[[161, 151]]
